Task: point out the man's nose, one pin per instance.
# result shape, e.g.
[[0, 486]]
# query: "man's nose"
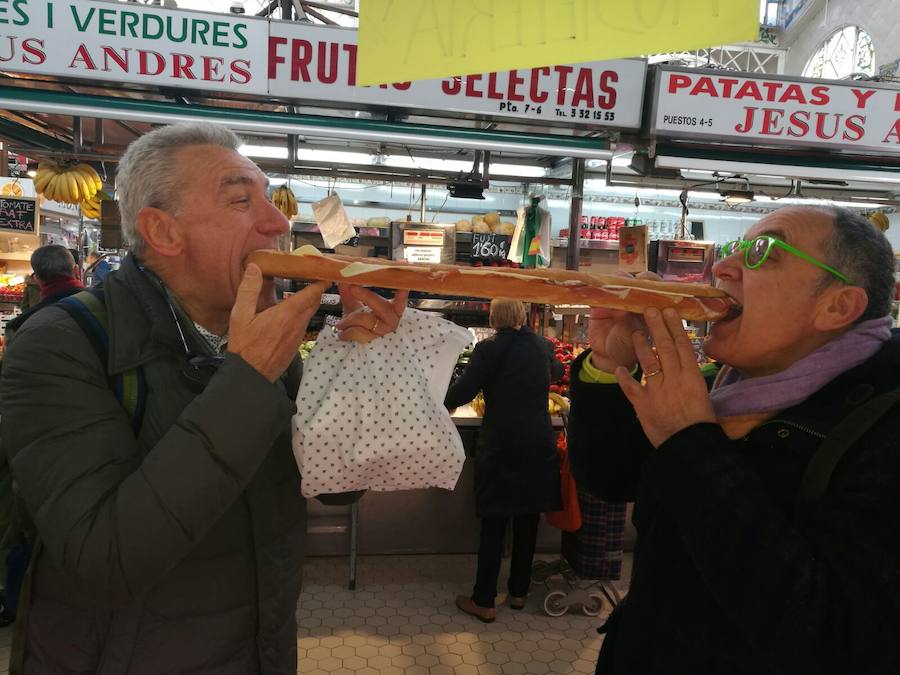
[[273, 221]]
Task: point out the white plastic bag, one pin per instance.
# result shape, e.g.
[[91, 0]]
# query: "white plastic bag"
[[333, 221], [372, 416]]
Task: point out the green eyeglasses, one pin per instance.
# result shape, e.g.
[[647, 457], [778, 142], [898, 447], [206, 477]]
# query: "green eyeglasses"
[[756, 252]]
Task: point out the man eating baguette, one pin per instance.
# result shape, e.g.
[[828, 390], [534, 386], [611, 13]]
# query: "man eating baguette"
[[767, 507], [154, 454]]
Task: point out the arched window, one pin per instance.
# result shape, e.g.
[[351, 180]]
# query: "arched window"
[[846, 52]]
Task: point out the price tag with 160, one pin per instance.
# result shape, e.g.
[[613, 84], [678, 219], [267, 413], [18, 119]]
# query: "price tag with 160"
[[486, 245]]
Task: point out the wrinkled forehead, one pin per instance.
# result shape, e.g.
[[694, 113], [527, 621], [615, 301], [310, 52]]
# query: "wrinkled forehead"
[[804, 228], [217, 165]]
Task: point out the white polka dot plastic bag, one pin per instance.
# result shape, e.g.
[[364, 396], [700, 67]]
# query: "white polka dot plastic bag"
[[372, 416]]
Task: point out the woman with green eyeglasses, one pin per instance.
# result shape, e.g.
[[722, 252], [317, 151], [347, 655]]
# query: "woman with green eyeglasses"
[[762, 547]]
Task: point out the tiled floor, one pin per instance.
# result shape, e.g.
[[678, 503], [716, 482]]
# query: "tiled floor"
[[401, 619]]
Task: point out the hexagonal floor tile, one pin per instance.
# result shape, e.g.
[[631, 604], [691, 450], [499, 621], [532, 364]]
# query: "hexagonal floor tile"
[[582, 666], [318, 653], [342, 652], [355, 663], [330, 664], [378, 662]]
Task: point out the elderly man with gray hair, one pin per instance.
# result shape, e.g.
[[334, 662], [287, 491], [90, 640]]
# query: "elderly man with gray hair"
[[170, 542], [57, 275]]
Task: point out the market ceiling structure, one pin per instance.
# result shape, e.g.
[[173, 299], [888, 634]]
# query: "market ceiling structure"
[[45, 116]]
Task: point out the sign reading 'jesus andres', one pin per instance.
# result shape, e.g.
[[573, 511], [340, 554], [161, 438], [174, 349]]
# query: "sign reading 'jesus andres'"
[[19, 214]]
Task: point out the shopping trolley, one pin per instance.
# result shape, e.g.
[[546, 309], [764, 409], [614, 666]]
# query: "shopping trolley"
[[590, 560]]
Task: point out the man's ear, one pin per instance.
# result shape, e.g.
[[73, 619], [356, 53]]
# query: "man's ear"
[[160, 231], [840, 306]]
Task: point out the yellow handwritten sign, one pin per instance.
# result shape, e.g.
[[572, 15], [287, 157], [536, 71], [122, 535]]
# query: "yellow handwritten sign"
[[402, 40]]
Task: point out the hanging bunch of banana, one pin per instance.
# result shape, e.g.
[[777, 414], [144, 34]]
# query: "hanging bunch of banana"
[[879, 220], [91, 208], [69, 183], [284, 200]]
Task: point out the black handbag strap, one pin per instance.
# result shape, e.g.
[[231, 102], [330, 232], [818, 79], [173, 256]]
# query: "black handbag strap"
[[818, 472]]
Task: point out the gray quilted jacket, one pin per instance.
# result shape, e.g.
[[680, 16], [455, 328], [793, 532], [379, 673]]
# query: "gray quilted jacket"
[[176, 552]]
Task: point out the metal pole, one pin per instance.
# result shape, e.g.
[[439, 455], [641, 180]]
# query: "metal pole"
[[422, 205], [573, 251], [77, 135], [81, 258]]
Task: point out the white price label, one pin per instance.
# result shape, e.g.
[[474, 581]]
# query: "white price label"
[[423, 254]]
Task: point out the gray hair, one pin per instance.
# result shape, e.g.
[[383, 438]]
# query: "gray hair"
[[148, 173], [865, 256], [52, 261]]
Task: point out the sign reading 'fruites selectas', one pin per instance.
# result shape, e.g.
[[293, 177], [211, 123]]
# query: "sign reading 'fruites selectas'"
[[321, 63], [129, 43]]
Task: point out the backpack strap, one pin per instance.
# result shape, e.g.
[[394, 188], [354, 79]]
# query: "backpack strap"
[[88, 309], [817, 475]]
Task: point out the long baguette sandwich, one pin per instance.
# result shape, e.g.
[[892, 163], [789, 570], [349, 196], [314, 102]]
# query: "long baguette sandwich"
[[695, 302]]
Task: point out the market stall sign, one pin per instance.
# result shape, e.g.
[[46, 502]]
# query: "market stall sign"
[[422, 39], [321, 64], [19, 215], [125, 42], [489, 245], [777, 110], [130, 43]]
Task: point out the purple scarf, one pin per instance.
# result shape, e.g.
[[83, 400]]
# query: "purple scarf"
[[733, 395]]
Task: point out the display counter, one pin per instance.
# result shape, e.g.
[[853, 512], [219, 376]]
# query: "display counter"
[[415, 521]]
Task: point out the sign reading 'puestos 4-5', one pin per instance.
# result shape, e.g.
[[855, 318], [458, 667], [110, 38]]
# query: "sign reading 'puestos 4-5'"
[[765, 110], [173, 48]]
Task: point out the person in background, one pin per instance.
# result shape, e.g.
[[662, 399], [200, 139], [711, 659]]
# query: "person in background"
[[98, 267], [740, 567], [32, 294], [170, 542], [516, 465], [57, 277]]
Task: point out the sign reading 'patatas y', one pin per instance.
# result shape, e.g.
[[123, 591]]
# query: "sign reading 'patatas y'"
[[129, 43], [712, 104]]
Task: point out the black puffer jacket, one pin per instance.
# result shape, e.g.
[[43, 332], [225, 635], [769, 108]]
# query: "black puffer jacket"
[[516, 467], [724, 583], [178, 552]]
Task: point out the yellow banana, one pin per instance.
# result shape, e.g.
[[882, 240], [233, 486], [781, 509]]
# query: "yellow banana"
[[61, 188], [561, 402], [85, 187], [41, 180], [74, 190], [91, 176], [50, 191]]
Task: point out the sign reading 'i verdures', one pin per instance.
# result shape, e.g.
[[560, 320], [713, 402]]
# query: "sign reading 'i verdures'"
[[129, 43]]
